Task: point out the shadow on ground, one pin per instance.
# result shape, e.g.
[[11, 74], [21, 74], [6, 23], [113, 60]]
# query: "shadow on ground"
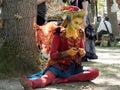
[[108, 64]]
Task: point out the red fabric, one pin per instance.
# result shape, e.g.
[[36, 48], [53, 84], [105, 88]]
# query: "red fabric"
[[46, 79], [87, 75], [60, 45], [71, 8]]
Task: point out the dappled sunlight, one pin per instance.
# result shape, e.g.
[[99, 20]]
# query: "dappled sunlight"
[[104, 49], [112, 69], [107, 81], [52, 89], [108, 64], [108, 55]]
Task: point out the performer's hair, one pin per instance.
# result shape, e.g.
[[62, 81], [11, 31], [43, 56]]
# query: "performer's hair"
[[57, 31]]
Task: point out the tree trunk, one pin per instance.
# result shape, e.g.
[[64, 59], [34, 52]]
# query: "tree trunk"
[[93, 8], [113, 19], [18, 52], [90, 12]]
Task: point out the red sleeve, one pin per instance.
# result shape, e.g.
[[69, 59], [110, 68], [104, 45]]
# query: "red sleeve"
[[55, 46], [81, 43]]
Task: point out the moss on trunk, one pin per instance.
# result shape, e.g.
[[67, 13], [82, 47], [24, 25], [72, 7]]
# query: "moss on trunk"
[[14, 59], [18, 52]]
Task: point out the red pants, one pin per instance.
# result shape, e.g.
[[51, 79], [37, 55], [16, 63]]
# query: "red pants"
[[49, 77]]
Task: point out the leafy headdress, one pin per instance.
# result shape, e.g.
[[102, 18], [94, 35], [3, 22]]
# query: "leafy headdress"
[[74, 21]]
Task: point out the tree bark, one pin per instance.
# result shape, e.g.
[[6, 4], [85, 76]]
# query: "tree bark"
[[113, 19], [18, 52]]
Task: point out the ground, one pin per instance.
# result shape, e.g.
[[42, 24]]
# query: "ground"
[[108, 63]]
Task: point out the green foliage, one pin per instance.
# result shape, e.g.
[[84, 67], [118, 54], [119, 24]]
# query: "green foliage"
[[101, 6]]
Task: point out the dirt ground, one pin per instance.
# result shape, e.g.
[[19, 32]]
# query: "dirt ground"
[[108, 63]]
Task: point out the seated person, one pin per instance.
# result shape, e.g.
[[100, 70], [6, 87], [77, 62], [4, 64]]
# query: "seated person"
[[64, 64], [104, 28]]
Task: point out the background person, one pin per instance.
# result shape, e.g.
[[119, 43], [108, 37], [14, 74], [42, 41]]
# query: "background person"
[[90, 43], [102, 28], [97, 23], [41, 11]]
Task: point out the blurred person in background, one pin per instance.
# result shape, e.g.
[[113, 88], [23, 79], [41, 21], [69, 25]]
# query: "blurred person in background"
[[105, 27], [41, 12], [97, 23]]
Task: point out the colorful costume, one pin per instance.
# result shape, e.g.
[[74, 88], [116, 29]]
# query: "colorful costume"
[[66, 51]]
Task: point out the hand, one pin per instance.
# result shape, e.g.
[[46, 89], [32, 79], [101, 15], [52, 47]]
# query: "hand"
[[73, 51], [82, 52]]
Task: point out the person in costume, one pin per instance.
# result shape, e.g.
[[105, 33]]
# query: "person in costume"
[[64, 64], [104, 27]]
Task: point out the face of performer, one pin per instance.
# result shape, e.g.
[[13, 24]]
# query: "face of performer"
[[73, 28], [76, 23]]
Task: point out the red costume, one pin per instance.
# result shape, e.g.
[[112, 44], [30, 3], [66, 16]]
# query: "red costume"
[[66, 51], [63, 64]]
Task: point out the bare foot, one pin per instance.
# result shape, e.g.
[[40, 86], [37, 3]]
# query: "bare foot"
[[25, 83]]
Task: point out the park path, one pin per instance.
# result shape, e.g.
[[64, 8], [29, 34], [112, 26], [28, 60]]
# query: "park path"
[[108, 64]]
